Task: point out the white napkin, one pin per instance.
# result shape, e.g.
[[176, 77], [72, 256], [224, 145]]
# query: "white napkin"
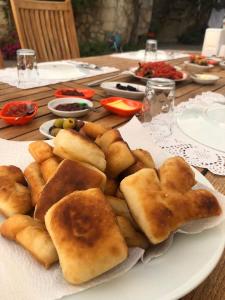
[[22, 278], [53, 72]]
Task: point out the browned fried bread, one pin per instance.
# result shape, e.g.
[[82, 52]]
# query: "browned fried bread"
[[71, 145], [70, 176], [15, 198], [118, 157], [176, 174], [107, 138], [93, 130], [49, 167], [35, 181], [14, 173], [159, 210], [86, 236], [33, 236], [40, 151]]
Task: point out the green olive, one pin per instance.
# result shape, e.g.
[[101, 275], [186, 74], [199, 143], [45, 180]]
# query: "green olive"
[[59, 123], [69, 123], [54, 131]]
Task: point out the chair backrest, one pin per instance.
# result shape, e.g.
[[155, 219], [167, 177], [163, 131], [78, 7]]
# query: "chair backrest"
[[214, 39], [1, 60], [48, 27]]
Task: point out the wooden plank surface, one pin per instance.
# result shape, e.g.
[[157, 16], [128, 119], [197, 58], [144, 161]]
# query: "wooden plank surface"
[[213, 288]]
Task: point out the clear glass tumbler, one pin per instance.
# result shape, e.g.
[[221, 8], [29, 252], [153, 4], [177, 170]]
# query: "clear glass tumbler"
[[26, 66], [158, 103], [151, 50]]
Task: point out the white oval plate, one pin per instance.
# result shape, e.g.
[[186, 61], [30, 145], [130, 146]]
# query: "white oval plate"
[[110, 88], [205, 125], [187, 263], [203, 68], [44, 128], [69, 114], [212, 78], [222, 64], [145, 79]]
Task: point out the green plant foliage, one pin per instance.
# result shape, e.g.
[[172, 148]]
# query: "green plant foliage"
[[95, 48]]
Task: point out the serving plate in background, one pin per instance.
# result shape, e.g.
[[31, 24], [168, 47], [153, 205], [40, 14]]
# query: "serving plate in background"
[[111, 89]]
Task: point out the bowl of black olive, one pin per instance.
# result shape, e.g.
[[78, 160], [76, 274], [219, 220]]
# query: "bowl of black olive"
[[70, 107], [124, 89]]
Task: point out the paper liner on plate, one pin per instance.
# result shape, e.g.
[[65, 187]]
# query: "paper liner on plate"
[[21, 277]]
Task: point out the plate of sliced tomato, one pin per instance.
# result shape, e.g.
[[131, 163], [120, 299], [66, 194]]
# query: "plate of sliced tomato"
[[149, 70]]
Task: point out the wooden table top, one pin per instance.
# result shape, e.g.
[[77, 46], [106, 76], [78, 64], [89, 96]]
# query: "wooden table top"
[[213, 288]]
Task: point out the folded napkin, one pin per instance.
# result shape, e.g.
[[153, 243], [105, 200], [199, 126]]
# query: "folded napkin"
[[161, 55], [54, 72]]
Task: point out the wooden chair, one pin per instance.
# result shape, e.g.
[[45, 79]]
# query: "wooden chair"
[[48, 27], [1, 60]]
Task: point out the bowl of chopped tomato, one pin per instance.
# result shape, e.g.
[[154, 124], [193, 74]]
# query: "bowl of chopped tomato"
[[74, 92], [18, 112], [149, 70]]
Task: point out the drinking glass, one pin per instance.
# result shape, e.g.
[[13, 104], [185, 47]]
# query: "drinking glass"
[[158, 103], [150, 50], [26, 66]]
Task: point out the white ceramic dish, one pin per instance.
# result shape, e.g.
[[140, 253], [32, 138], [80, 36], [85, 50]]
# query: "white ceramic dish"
[[187, 263], [69, 114], [204, 78], [205, 125], [145, 79], [110, 88], [198, 67], [44, 128], [222, 64]]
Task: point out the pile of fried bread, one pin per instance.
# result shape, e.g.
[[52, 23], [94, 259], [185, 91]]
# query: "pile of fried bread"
[[89, 198]]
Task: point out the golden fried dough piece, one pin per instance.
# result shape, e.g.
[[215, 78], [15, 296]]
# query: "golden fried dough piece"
[[111, 186], [133, 169], [87, 238], [40, 151], [71, 145], [33, 236], [35, 181], [15, 198], [119, 207], [70, 176], [49, 167], [144, 157], [160, 211], [119, 158], [175, 173], [109, 137], [132, 237], [93, 130], [11, 226], [14, 173]]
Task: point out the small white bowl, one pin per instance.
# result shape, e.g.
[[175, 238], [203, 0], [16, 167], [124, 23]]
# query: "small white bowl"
[[69, 114], [204, 78], [110, 88], [197, 68], [222, 64]]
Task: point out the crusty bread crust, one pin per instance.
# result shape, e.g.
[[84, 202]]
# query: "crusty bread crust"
[[70, 176], [85, 234]]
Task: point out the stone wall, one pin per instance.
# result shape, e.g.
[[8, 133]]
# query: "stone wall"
[[171, 19], [4, 26], [113, 16], [104, 17]]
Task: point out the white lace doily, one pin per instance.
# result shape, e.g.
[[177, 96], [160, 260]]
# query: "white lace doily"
[[179, 144]]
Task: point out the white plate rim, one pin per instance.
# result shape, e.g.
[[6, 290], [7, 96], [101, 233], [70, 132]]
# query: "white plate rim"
[[145, 79], [186, 62]]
